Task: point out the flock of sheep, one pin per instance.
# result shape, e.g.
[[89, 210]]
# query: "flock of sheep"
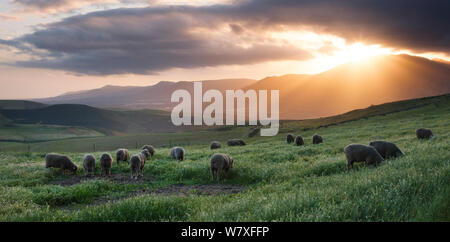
[[219, 162], [372, 154]]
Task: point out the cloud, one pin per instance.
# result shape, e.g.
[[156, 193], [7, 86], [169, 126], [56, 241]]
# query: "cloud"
[[152, 39], [57, 5], [7, 17]]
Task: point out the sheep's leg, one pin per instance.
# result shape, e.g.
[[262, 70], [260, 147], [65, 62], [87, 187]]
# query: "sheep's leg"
[[349, 165], [219, 173], [212, 175]]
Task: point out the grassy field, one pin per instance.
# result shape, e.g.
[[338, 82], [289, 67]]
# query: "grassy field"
[[276, 181]]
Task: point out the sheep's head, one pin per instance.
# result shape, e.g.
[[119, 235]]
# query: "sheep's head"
[[73, 168], [146, 154]]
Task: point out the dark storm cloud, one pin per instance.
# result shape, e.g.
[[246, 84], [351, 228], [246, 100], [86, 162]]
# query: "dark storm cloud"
[[148, 40]]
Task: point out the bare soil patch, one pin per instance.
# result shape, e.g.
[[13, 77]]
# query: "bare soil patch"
[[179, 190], [204, 189], [70, 180]]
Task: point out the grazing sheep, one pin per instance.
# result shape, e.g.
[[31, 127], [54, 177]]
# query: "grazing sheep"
[[424, 133], [137, 163], [235, 142], [60, 161], [299, 140], [177, 153], [215, 145], [317, 139], [289, 138], [360, 153], [150, 149], [386, 149], [219, 163], [106, 161], [122, 155], [89, 164]]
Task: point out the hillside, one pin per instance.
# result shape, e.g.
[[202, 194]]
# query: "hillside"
[[358, 85], [20, 104], [147, 97], [270, 180], [105, 121], [204, 135]]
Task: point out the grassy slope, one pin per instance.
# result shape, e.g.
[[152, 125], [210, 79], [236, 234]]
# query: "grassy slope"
[[37, 133], [102, 120], [20, 104], [285, 182]]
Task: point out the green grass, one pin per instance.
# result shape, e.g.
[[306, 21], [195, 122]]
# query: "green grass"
[[282, 182]]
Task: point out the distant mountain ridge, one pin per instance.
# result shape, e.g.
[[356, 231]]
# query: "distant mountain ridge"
[[341, 89], [137, 97]]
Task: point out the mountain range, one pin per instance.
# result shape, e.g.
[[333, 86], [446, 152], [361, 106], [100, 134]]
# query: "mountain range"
[[343, 88]]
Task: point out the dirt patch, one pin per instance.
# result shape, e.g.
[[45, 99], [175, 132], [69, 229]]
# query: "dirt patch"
[[186, 190], [179, 190], [119, 178]]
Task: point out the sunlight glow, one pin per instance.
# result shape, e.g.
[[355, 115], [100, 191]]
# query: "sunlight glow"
[[359, 52]]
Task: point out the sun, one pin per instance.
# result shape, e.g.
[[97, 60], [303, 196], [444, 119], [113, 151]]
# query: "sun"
[[358, 52]]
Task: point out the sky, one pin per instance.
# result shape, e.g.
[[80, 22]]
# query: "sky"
[[49, 47]]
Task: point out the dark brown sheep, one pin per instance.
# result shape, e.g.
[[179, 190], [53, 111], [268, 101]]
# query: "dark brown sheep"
[[317, 139], [220, 163], [424, 133], [106, 161], [122, 155], [299, 140], [215, 145], [289, 138], [360, 153], [235, 142], [386, 149], [60, 161], [137, 163], [150, 149], [89, 164], [177, 153]]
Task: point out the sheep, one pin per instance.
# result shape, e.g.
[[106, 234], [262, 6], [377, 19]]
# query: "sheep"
[[289, 138], [177, 153], [150, 149], [386, 149], [424, 133], [60, 161], [106, 161], [122, 155], [89, 164], [219, 163], [317, 139], [235, 142], [215, 145], [360, 153], [137, 163], [299, 140]]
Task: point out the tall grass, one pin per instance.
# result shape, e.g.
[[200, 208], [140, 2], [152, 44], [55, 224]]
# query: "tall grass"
[[282, 182]]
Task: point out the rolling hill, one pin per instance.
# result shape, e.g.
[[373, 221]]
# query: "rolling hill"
[[105, 121], [20, 104]]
